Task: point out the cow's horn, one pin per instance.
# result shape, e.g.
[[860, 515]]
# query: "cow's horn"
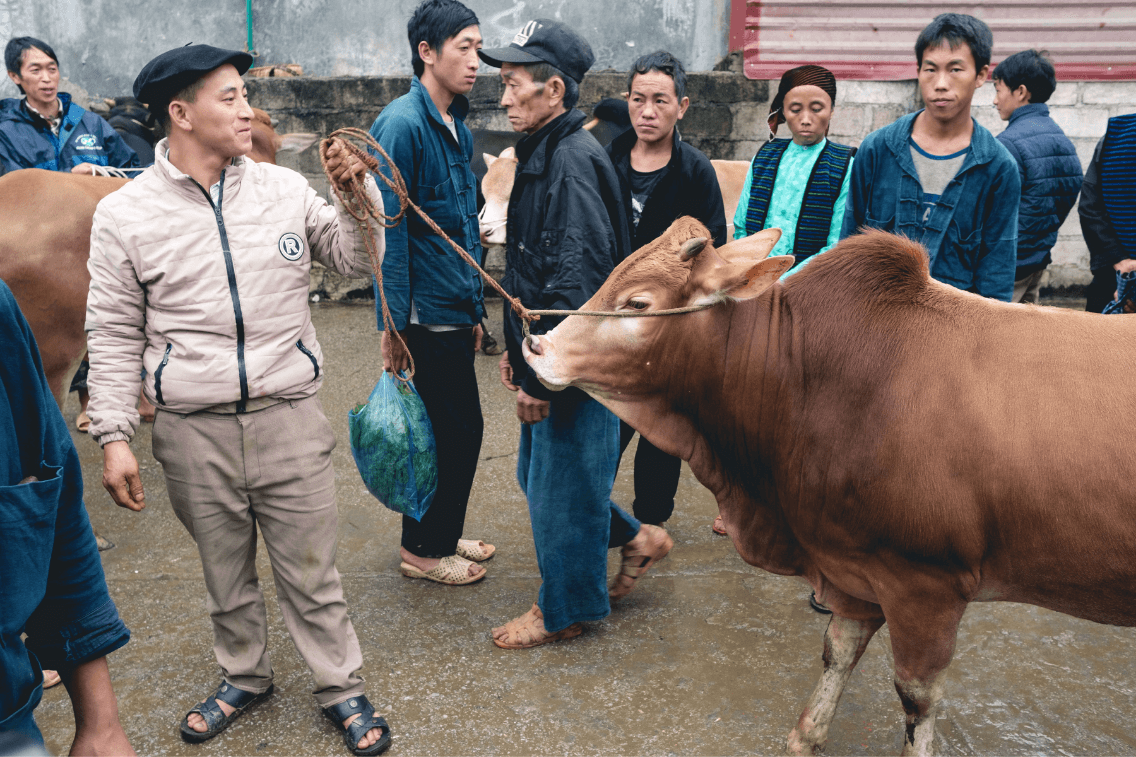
[[692, 247]]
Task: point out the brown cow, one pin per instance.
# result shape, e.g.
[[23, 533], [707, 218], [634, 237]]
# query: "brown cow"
[[906, 447], [45, 232]]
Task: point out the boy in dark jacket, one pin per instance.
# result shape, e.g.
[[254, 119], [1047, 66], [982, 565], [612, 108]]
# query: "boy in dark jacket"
[[566, 231], [938, 177], [661, 178], [1048, 163], [434, 297]]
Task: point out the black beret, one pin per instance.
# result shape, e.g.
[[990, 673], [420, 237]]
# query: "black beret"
[[173, 71]]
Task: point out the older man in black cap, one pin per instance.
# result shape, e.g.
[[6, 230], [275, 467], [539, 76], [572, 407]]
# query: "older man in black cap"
[[199, 277], [567, 229]]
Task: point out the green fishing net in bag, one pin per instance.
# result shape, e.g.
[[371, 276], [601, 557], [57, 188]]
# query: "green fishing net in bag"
[[393, 447]]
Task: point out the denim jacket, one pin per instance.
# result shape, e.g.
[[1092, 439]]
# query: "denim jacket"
[[971, 235], [419, 263], [51, 579]]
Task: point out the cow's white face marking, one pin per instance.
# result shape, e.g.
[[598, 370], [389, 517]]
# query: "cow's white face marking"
[[291, 246]]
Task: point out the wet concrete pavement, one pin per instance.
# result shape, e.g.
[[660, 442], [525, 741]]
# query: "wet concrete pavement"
[[708, 656]]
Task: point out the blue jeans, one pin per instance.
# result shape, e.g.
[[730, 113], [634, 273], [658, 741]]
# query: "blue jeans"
[[566, 467]]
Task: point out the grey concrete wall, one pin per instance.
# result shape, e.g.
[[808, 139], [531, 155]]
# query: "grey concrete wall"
[[726, 121], [103, 44]]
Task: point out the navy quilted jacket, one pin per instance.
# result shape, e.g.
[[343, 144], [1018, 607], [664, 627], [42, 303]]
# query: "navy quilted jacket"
[[1051, 179]]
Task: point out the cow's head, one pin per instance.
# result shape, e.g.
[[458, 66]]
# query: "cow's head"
[[610, 357], [497, 187]]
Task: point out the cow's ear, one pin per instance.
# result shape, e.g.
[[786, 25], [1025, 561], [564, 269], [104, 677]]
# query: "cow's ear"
[[761, 276], [740, 279], [754, 247], [489, 159], [509, 153], [297, 141]]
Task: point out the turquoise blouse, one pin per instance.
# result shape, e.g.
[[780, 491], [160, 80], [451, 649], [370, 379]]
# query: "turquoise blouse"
[[788, 194]]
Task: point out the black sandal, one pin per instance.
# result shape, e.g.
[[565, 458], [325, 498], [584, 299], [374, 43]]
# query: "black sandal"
[[357, 729], [215, 718]]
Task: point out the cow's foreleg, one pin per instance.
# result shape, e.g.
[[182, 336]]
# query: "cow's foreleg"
[[923, 641], [844, 644]]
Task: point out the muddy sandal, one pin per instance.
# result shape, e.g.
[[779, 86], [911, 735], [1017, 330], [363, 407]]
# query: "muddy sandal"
[[354, 732], [215, 718], [473, 549], [528, 631], [636, 562]]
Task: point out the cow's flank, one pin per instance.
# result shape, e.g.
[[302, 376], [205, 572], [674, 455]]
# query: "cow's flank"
[[906, 447]]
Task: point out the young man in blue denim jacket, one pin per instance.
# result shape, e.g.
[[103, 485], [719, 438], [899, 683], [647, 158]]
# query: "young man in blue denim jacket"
[[938, 177], [434, 296]]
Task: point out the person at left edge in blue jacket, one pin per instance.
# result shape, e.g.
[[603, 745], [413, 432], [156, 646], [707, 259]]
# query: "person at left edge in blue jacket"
[[938, 177], [44, 128], [55, 610]]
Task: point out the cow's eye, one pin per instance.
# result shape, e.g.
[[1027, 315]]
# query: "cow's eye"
[[637, 304]]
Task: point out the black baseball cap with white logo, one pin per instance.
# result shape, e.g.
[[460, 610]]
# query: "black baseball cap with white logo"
[[545, 41]]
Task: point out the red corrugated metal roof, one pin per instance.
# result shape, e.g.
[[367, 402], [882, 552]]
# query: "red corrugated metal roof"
[[858, 39]]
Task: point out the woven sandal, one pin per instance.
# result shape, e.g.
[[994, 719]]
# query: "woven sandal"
[[528, 631], [354, 732], [215, 718], [451, 571], [637, 562], [475, 550]]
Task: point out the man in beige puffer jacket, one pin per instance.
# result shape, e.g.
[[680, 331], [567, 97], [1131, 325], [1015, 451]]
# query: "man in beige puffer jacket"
[[199, 281]]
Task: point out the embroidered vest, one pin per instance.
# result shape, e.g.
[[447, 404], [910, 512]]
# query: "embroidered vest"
[[1118, 178], [815, 217]]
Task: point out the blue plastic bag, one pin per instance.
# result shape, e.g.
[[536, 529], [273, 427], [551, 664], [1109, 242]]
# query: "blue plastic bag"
[[393, 446]]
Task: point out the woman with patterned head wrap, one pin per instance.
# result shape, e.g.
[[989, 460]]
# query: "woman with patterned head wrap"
[[799, 185]]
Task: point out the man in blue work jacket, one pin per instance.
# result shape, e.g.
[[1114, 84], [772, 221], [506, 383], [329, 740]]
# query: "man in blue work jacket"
[[435, 298], [44, 129], [938, 177]]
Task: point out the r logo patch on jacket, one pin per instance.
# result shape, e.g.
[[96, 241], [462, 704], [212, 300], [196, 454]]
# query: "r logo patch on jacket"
[[291, 246]]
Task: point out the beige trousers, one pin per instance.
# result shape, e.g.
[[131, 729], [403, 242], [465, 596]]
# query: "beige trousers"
[[229, 473]]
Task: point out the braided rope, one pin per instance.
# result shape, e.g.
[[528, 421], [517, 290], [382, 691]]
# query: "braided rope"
[[363, 209]]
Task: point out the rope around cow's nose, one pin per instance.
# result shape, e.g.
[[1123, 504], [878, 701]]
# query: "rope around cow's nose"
[[363, 209]]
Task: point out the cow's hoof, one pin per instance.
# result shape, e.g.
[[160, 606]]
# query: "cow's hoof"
[[796, 745]]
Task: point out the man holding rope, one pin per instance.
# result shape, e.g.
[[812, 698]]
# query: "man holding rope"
[[567, 230], [434, 297], [199, 274]]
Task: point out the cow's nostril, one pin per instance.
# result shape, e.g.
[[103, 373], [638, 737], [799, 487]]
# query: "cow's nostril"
[[534, 345]]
